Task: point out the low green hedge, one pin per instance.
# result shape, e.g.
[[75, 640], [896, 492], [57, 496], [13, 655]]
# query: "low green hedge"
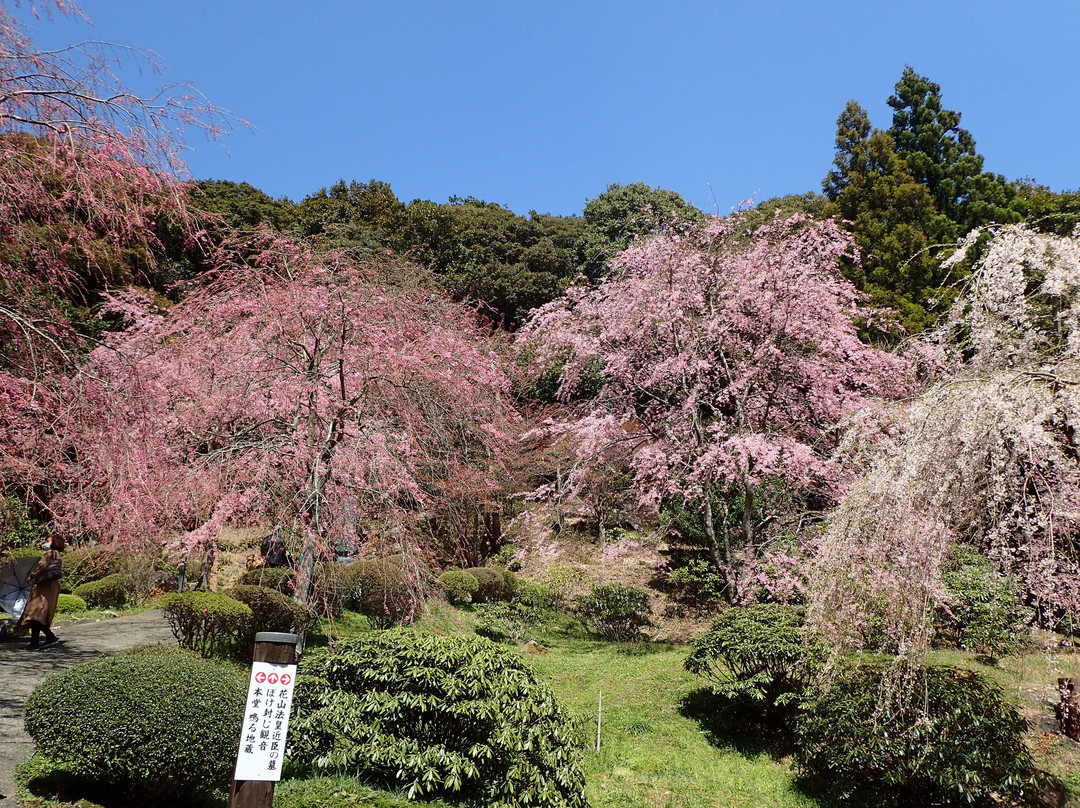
[[208, 623], [157, 728], [70, 603], [459, 586], [270, 611], [109, 592], [281, 579], [494, 585]]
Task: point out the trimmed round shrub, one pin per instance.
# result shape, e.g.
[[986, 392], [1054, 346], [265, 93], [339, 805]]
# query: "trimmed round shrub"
[[109, 592], [87, 564], [460, 586], [493, 585], [383, 593], [510, 621], [157, 728], [954, 740], [334, 587], [755, 652], [68, 604], [615, 611], [436, 716], [281, 579], [209, 623], [270, 611]]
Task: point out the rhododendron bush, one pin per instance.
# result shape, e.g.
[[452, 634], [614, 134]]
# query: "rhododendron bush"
[[986, 457], [728, 355], [330, 396]]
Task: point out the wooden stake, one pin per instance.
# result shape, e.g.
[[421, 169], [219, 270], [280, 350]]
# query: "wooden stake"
[[279, 649], [599, 716]]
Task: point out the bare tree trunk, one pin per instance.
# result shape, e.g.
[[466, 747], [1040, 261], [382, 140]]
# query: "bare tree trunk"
[[1068, 710]]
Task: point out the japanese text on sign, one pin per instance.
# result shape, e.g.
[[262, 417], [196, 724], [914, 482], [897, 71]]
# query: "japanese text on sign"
[[266, 721]]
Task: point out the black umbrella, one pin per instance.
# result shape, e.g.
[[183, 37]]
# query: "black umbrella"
[[15, 585]]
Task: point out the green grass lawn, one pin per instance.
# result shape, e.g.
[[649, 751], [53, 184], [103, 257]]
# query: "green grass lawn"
[[654, 750]]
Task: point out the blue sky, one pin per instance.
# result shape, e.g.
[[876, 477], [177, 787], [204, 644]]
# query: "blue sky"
[[542, 105]]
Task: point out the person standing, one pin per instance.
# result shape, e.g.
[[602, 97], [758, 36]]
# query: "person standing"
[[44, 595]]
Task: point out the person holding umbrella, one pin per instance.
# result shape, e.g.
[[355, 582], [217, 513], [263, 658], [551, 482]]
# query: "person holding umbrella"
[[41, 606]]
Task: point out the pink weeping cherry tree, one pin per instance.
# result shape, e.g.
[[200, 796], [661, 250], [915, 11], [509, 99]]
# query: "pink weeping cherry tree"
[[726, 356], [987, 457], [339, 399]]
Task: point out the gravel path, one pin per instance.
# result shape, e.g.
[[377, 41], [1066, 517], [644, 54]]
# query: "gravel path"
[[22, 670]]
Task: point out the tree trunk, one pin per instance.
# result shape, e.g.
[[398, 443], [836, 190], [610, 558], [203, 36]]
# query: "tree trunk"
[[1068, 710]]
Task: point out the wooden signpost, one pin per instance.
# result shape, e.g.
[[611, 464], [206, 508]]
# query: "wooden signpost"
[[266, 721]]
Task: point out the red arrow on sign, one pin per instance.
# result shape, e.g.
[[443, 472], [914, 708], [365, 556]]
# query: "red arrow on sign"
[[272, 678], [285, 678], [260, 677]]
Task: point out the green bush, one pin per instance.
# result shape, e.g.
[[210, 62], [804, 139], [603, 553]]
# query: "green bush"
[[110, 592], [986, 615], [493, 585], [67, 604], [208, 623], [18, 529], [441, 716], [756, 652], [87, 564], [697, 581], [460, 586], [383, 592], [270, 611], [335, 588], [615, 611], [281, 579], [514, 621], [954, 740], [157, 728]]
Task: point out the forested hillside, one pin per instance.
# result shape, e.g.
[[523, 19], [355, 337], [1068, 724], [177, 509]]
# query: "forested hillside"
[[840, 424]]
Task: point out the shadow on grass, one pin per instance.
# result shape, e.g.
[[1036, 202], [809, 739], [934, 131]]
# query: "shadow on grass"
[[42, 779], [738, 724]]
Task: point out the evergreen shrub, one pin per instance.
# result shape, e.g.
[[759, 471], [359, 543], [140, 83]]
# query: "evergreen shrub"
[[157, 728], [986, 615], [951, 740], [459, 586], [493, 584], [615, 611], [68, 604], [270, 611], [110, 592], [281, 579], [756, 652], [209, 623], [85, 564], [453, 717], [513, 621], [383, 592]]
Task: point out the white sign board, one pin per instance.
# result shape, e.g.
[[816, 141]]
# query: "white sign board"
[[266, 721]]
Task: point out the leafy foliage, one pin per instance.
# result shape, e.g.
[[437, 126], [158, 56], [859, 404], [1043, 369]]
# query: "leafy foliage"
[[958, 743], [118, 720], [756, 651], [459, 586], [616, 611], [281, 579], [67, 604], [270, 611], [105, 593], [442, 716], [513, 621], [209, 623], [984, 610]]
